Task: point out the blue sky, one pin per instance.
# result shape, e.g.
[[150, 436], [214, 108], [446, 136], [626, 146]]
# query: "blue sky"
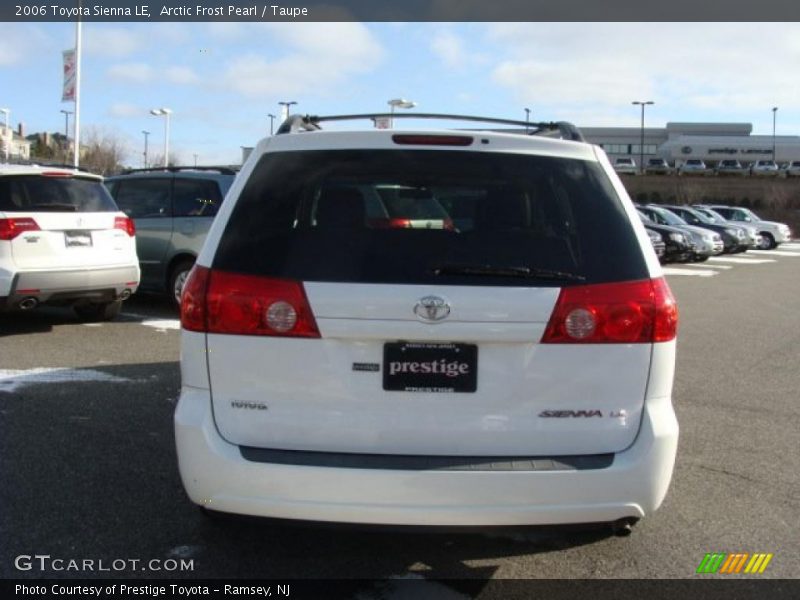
[[222, 79]]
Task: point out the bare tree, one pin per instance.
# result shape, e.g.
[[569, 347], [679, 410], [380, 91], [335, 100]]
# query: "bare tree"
[[157, 160], [103, 152]]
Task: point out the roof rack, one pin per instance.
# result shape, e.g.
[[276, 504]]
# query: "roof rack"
[[172, 169], [561, 129]]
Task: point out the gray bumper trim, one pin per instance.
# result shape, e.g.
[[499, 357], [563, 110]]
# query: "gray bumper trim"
[[343, 460]]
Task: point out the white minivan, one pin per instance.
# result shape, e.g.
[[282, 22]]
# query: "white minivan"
[[63, 242], [513, 368]]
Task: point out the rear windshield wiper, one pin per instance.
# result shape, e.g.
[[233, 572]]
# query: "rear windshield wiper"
[[511, 271]]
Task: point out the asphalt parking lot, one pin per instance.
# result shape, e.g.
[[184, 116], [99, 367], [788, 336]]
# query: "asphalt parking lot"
[[88, 462]]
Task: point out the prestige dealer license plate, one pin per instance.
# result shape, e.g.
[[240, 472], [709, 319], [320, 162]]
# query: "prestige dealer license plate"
[[430, 367]]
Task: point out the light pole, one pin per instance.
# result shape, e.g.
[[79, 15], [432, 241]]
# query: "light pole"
[[146, 133], [271, 123], [527, 119], [195, 160], [642, 103], [7, 143], [67, 113], [286, 109], [164, 112], [399, 103], [774, 112]]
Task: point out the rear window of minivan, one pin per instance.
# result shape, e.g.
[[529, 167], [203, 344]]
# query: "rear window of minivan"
[[38, 193], [304, 215]]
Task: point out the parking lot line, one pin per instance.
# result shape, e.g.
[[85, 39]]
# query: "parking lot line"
[[741, 260], [705, 265], [774, 252], [695, 273]]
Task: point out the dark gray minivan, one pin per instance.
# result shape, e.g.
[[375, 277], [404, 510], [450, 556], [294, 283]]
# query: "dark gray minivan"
[[173, 209]]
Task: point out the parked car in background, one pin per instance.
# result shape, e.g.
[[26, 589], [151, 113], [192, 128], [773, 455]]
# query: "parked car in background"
[[657, 166], [625, 166], [678, 246], [63, 242], [659, 245], [738, 240], [792, 169], [173, 209], [753, 236], [337, 371], [730, 167], [706, 243], [772, 233], [693, 166], [764, 168]]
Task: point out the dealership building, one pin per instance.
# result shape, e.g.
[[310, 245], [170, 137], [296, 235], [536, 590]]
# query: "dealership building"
[[678, 142]]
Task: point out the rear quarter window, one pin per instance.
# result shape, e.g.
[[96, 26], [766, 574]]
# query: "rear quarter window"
[[308, 216]]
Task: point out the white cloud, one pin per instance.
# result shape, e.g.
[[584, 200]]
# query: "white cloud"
[[318, 58], [450, 49], [724, 67], [181, 76], [131, 72], [113, 42], [123, 110], [19, 43]]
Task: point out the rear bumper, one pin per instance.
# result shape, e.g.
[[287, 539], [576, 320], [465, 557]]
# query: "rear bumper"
[[106, 283], [216, 476]]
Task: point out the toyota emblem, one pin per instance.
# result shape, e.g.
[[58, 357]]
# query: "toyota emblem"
[[432, 309]]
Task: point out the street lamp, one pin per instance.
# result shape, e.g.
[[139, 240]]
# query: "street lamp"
[[6, 144], [67, 113], [527, 119], [146, 133], [271, 122], [286, 108], [774, 112], [642, 103], [399, 103], [195, 160], [164, 112]]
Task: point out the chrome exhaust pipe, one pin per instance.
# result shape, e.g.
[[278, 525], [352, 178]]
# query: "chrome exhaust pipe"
[[28, 303], [125, 295]]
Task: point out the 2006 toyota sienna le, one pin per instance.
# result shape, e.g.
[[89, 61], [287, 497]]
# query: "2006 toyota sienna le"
[[515, 368]]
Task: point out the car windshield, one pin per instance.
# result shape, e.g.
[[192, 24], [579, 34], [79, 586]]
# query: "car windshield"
[[429, 216], [715, 217], [699, 216], [666, 217], [38, 193]]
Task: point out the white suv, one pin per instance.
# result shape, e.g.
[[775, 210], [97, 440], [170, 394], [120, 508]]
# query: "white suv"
[[63, 241], [513, 368]]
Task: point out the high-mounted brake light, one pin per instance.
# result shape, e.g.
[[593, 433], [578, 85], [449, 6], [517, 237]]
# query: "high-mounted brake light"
[[126, 224], [56, 174], [614, 313], [231, 303], [11, 228], [432, 140]]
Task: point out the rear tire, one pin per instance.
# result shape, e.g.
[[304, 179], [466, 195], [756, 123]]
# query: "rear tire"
[[98, 311], [177, 279]]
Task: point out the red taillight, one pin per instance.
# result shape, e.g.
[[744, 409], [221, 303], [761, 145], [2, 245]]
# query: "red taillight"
[[126, 224], [11, 228], [193, 299], [614, 313], [392, 223], [432, 140], [219, 302]]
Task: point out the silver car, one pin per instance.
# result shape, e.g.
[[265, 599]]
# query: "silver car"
[[772, 233], [173, 210]]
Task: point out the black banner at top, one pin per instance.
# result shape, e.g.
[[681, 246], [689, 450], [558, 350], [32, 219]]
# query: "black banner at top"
[[144, 11]]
